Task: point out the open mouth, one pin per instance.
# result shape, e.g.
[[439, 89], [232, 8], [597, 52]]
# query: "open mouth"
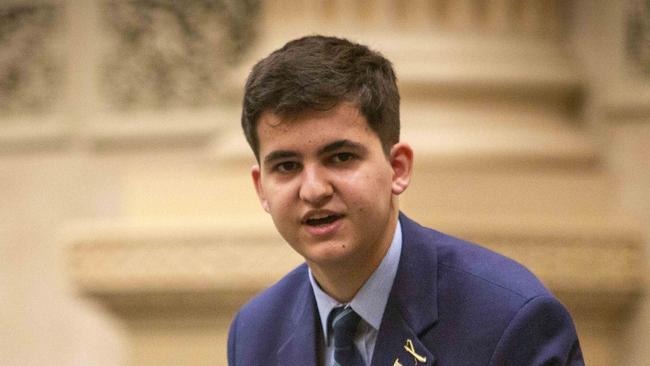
[[321, 221]]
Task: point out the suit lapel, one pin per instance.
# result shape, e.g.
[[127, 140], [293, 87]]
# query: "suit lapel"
[[300, 346], [397, 343], [412, 307]]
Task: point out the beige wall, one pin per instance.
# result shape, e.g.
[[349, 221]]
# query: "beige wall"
[[129, 232], [618, 113]]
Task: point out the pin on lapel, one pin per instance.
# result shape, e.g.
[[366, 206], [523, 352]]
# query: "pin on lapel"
[[411, 349], [397, 363]]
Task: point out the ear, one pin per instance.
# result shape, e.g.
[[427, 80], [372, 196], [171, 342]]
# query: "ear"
[[401, 160], [257, 181]]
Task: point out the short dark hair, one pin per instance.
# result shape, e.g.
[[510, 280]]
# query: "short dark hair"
[[317, 73]]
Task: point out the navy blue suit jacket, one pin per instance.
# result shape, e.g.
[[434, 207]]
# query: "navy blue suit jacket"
[[458, 303]]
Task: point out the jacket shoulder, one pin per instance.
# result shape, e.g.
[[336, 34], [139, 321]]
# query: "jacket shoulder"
[[470, 260], [488, 304], [466, 261], [259, 322], [274, 300]]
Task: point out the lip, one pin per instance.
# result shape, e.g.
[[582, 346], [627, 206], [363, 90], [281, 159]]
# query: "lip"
[[322, 230]]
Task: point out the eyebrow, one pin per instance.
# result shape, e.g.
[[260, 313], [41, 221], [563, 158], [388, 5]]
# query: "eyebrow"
[[283, 154], [340, 144], [279, 154]]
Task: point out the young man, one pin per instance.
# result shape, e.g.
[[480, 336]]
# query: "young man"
[[322, 117]]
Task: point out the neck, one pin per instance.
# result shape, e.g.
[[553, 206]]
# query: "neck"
[[342, 280]]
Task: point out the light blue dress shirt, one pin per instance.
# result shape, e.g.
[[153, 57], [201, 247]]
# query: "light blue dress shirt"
[[369, 303]]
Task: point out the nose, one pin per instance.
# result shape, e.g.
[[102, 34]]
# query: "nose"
[[315, 188]]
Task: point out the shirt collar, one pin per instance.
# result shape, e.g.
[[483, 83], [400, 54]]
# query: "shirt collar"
[[370, 301]]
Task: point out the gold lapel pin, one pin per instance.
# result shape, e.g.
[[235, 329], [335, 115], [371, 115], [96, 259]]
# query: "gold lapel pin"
[[397, 363], [411, 349]]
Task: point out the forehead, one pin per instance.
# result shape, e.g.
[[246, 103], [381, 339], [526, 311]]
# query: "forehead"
[[314, 127]]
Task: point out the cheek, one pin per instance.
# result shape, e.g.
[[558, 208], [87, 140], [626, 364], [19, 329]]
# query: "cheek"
[[280, 199], [370, 188]]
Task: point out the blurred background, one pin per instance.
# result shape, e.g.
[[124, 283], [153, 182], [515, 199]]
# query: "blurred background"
[[129, 228]]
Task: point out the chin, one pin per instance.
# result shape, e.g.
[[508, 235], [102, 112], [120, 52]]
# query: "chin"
[[328, 253]]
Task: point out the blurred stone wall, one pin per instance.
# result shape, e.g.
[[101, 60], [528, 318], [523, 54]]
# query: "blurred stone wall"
[[130, 232]]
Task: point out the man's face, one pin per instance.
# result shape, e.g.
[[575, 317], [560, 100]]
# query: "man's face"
[[328, 185]]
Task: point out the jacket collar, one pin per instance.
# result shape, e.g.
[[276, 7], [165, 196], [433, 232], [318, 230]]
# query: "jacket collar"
[[415, 290], [412, 307], [296, 348]]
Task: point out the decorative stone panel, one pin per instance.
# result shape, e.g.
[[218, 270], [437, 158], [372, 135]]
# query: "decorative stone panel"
[[165, 54], [638, 36], [30, 57], [112, 260], [528, 18]]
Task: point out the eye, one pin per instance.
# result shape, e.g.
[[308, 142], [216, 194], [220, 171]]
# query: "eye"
[[286, 166], [342, 157]]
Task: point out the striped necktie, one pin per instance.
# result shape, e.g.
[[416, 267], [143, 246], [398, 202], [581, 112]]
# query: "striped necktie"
[[344, 322]]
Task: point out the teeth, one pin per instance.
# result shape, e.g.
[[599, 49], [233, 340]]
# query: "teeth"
[[321, 220], [318, 217]]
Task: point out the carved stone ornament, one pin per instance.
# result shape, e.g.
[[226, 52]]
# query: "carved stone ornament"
[[30, 62], [171, 53], [638, 36], [115, 259]]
